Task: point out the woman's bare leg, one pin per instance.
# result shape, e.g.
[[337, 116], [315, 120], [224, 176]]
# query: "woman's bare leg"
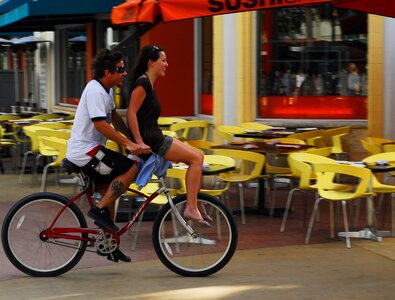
[[180, 152]]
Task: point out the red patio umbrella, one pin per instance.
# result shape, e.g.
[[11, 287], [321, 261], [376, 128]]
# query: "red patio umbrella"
[[148, 11]]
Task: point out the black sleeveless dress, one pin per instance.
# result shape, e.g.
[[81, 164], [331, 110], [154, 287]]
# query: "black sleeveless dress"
[[147, 116]]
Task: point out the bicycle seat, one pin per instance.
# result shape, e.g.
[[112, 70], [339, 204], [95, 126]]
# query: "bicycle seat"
[[70, 167]]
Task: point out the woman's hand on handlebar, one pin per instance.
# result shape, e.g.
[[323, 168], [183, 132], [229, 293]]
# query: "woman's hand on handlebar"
[[138, 149]]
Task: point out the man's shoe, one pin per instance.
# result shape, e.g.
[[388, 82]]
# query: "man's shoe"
[[117, 255], [102, 217]]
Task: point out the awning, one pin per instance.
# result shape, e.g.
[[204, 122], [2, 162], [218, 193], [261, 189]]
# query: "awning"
[[43, 15]]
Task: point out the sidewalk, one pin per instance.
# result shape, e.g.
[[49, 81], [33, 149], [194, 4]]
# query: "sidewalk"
[[267, 265]]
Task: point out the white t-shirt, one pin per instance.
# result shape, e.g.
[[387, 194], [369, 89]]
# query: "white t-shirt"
[[96, 103]]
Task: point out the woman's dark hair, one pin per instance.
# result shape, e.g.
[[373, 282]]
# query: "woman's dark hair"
[[146, 54], [105, 60]]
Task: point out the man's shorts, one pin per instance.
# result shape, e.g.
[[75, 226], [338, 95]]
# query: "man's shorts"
[[107, 165]]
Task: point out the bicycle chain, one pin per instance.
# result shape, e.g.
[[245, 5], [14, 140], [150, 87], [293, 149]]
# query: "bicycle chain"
[[105, 243]]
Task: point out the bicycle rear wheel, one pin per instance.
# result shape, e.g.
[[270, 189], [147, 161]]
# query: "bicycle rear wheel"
[[201, 255], [32, 254]]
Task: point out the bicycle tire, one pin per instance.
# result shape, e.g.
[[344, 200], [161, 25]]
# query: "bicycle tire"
[[21, 240], [203, 255]]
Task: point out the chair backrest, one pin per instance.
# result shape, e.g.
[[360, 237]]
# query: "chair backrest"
[[219, 160], [324, 151], [53, 125], [308, 136], [388, 147], [7, 117], [30, 131], [370, 147], [336, 134], [185, 129], [58, 144], [47, 117], [227, 131], [301, 165], [374, 145], [255, 126], [167, 121], [256, 159], [202, 144], [110, 144], [170, 133], [53, 133], [327, 172]]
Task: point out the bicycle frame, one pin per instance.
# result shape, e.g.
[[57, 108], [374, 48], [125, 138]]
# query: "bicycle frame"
[[67, 233]]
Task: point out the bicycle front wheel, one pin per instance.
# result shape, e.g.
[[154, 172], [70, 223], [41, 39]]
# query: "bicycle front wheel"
[[33, 254], [203, 254]]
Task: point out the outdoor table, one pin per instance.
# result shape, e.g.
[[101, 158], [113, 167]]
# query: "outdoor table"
[[210, 169], [274, 132], [267, 148], [369, 232]]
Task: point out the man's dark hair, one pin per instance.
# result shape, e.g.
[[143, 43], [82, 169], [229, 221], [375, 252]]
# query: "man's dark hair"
[[105, 60]]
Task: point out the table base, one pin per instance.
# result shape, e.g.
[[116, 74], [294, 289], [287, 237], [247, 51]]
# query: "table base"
[[367, 233]]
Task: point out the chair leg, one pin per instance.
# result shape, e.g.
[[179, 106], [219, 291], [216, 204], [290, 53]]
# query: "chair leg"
[[242, 211], [316, 203], [348, 241], [287, 207], [23, 167], [44, 178]]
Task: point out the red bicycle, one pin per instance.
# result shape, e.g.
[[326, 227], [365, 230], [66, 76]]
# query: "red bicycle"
[[46, 234]]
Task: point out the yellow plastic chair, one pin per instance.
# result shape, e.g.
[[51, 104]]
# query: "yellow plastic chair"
[[377, 186], [53, 125], [168, 121], [336, 135], [170, 133], [215, 159], [301, 165], [30, 132], [7, 117], [203, 145], [277, 165], [227, 131], [110, 144], [310, 137], [58, 147], [326, 173], [189, 130], [47, 116], [374, 145], [255, 126], [249, 167], [324, 151], [5, 144]]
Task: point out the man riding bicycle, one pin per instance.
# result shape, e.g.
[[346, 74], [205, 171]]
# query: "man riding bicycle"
[[95, 113]]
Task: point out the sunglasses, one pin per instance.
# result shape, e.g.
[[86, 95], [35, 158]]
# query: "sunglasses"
[[120, 69], [154, 48]]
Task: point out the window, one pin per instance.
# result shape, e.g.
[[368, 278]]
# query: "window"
[[72, 64], [312, 63]]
